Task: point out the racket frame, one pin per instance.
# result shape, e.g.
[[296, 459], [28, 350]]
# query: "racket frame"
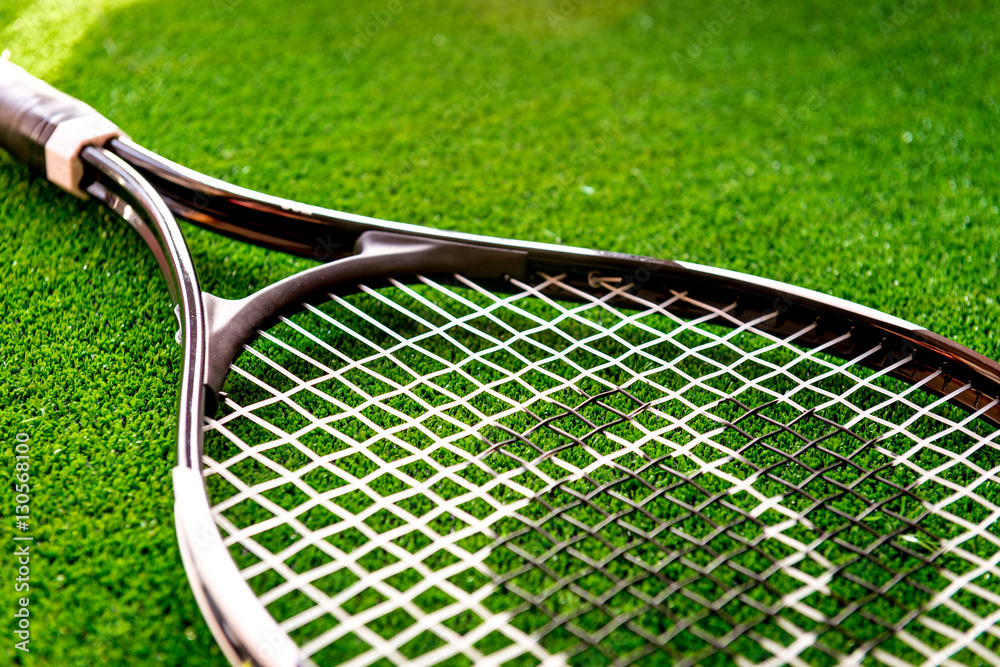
[[148, 191]]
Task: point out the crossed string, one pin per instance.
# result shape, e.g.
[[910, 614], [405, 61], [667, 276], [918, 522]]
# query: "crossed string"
[[524, 460]]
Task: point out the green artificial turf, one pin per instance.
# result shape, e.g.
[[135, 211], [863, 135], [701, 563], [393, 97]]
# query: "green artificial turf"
[[845, 148]]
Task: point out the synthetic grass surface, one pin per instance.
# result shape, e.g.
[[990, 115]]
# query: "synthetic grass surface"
[[849, 149]]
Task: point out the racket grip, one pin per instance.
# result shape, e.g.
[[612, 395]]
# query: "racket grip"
[[46, 129]]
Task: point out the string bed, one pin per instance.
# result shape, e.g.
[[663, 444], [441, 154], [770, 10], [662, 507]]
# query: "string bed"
[[436, 474]]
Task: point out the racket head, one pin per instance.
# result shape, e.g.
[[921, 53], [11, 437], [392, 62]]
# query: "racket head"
[[560, 458]]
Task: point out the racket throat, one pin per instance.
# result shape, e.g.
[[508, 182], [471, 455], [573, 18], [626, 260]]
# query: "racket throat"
[[233, 323]]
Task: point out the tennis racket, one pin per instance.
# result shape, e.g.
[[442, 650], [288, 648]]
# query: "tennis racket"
[[446, 449]]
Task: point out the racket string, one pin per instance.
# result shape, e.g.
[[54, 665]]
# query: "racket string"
[[429, 473]]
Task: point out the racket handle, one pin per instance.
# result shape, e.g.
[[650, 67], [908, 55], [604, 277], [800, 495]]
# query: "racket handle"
[[46, 129]]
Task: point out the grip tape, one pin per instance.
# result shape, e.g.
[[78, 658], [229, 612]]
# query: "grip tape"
[[46, 129]]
